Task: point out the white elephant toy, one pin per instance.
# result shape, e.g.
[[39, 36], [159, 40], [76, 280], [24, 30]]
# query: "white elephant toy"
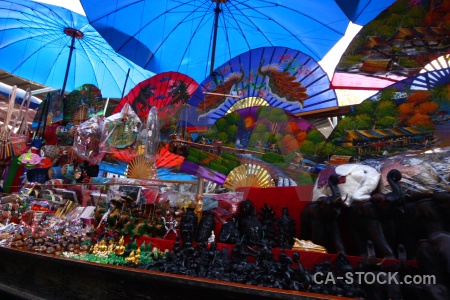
[[357, 182]]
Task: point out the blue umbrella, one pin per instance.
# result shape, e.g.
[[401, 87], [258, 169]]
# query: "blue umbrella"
[[58, 48], [362, 12], [193, 37]]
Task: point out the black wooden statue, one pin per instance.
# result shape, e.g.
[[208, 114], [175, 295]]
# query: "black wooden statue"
[[374, 219], [188, 224], [319, 219], [286, 230], [248, 223], [205, 228], [229, 233]]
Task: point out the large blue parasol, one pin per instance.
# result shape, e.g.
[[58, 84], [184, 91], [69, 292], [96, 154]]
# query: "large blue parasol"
[[58, 48], [194, 37]]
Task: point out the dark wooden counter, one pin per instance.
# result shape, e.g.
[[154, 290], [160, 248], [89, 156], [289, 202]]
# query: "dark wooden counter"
[[31, 275]]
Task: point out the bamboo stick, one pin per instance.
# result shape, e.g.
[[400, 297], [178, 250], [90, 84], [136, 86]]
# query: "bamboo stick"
[[220, 94]]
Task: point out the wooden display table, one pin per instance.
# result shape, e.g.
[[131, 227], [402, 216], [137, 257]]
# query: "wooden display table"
[[32, 276]]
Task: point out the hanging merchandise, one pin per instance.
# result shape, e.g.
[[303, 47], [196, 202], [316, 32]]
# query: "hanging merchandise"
[[51, 110], [45, 163], [153, 133], [83, 103], [40, 122], [13, 176], [121, 129], [5, 144], [148, 139], [19, 144], [87, 140], [70, 172], [19, 138], [55, 172], [52, 152], [38, 175], [119, 140]]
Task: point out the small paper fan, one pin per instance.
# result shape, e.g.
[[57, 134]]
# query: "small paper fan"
[[141, 167], [166, 159], [80, 115], [248, 175]]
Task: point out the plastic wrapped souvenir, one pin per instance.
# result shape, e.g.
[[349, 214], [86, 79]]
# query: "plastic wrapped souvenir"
[[152, 133], [423, 172], [227, 204], [121, 129], [87, 140]]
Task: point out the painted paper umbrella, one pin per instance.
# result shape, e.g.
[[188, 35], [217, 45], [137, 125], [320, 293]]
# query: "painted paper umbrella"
[[267, 140], [409, 114], [271, 76], [165, 91], [82, 103], [395, 45], [168, 92]]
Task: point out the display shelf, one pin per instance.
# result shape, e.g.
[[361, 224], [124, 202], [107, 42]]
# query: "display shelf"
[[32, 275]]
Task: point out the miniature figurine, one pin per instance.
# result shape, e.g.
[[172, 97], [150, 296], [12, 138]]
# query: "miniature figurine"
[[229, 232], [249, 225], [170, 224], [205, 227], [188, 224], [267, 215], [286, 229], [120, 249]]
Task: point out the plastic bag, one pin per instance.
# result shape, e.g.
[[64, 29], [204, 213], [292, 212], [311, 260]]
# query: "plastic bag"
[[121, 129], [87, 140]]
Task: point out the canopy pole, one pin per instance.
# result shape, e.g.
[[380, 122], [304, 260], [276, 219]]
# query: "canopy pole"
[[217, 11], [68, 66], [73, 33], [125, 85]]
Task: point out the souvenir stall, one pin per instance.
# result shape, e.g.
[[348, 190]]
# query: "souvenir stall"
[[223, 187]]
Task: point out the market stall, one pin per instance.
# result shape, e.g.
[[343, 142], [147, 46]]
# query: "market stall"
[[222, 189]]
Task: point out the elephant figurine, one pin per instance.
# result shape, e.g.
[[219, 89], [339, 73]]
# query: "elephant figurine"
[[433, 260], [319, 219], [336, 187], [374, 219], [425, 184], [423, 218], [356, 182]]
